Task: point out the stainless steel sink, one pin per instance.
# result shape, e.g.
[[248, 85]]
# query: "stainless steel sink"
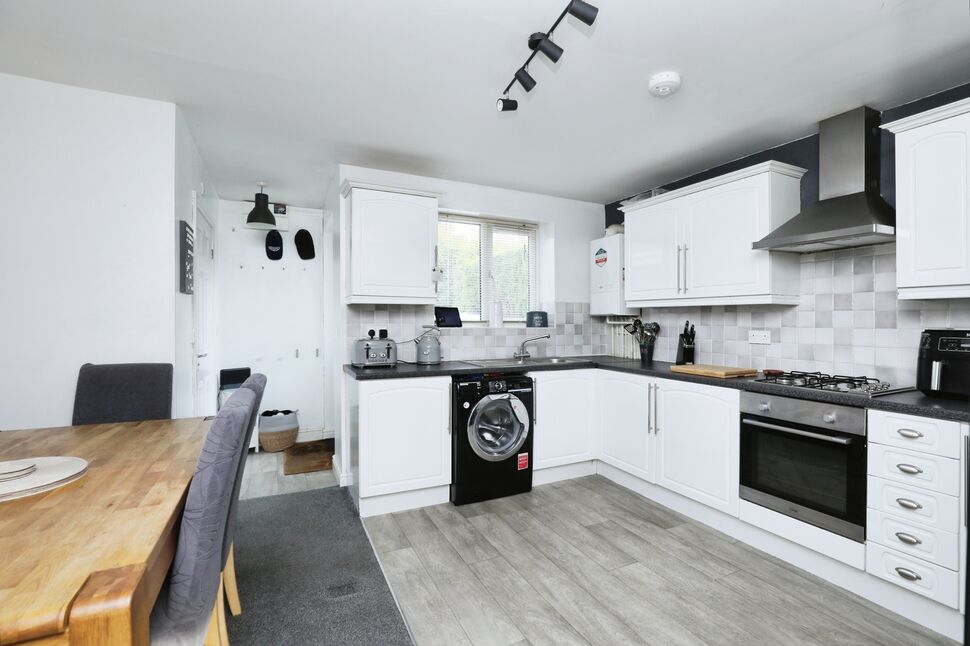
[[515, 363]]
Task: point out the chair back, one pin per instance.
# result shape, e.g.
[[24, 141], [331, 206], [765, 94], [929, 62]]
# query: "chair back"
[[193, 580], [123, 392], [257, 384]]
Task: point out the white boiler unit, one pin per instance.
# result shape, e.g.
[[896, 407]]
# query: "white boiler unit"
[[606, 277]]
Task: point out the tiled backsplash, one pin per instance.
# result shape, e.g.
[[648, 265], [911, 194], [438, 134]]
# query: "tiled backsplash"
[[573, 332], [849, 322]]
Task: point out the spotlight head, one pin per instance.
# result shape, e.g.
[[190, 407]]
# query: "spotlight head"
[[539, 41], [525, 79], [507, 105], [583, 11]]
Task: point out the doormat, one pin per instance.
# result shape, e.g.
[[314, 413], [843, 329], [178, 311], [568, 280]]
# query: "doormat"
[[307, 457]]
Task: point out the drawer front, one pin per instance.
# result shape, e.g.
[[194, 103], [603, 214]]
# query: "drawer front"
[[939, 437], [937, 583], [920, 506], [942, 548], [915, 469]]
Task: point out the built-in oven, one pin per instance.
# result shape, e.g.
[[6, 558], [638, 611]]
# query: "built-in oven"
[[805, 459]]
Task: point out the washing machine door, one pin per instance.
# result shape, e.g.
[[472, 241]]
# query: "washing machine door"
[[498, 426]]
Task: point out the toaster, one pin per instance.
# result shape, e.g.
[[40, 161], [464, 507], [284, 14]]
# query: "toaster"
[[374, 353], [943, 367]]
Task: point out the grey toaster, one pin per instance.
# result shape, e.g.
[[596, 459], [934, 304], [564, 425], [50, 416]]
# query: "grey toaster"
[[374, 353]]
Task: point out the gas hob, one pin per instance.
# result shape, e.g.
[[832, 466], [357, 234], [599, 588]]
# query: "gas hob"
[[861, 386]]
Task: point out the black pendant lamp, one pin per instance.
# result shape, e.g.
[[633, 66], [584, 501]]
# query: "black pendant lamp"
[[261, 217]]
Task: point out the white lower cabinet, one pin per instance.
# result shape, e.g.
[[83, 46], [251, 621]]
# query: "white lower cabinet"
[[697, 442], [404, 434], [564, 423], [626, 441]]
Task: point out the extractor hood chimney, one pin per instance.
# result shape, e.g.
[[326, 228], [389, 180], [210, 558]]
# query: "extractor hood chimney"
[[850, 211]]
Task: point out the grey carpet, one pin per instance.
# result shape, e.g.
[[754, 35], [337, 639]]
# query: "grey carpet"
[[307, 575]]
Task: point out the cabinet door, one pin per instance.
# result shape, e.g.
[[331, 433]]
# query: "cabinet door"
[[565, 429], [718, 227], [393, 243], [697, 442], [933, 204], [405, 434], [624, 404], [652, 260]]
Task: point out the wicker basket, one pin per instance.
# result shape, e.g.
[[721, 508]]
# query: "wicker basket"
[[278, 432]]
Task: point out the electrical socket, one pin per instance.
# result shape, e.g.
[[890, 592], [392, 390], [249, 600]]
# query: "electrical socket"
[[759, 337]]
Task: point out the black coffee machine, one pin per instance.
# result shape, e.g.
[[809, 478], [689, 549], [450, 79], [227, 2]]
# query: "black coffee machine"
[[943, 369]]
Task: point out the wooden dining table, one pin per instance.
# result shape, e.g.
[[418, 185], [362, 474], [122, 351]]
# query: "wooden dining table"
[[83, 564]]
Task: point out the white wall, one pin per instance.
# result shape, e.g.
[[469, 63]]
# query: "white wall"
[[87, 249], [190, 176], [266, 310], [565, 229]]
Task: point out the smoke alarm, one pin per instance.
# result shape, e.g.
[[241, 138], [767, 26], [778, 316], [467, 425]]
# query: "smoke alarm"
[[664, 83]]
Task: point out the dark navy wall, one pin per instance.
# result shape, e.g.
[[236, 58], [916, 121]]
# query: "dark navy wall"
[[804, 153]]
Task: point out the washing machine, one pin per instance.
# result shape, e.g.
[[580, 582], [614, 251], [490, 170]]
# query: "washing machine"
[[492, 437]]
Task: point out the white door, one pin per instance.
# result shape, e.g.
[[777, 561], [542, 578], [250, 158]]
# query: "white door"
[[393, 246], [203, 308], [625, 440], [719, 225], [565, 426], [697, 442], [651, 255], [405, 434], [933, 204]]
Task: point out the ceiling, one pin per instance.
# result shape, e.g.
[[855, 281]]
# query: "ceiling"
[[282, 91]]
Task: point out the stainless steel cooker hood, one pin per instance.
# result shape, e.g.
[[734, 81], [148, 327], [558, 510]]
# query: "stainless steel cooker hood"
[[850, 211]]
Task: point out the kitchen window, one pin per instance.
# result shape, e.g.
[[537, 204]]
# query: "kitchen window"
[[484, 262]]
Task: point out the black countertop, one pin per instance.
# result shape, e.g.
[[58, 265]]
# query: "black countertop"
[[910, 403]]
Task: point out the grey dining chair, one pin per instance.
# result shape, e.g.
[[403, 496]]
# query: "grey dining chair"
[[257, 384], [122, 392], [190, 604]]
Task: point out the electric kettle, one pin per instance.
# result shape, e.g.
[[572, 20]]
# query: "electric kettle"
[[428, 352]]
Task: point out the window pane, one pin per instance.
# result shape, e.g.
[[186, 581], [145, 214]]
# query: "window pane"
[[510, 268], [460, 258]]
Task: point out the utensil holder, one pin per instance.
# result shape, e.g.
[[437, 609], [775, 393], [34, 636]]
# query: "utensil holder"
[[646, 352]]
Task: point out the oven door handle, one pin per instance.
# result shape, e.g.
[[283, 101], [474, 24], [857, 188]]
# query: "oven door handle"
[[844, 441]]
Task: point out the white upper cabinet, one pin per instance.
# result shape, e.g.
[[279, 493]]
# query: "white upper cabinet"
[[565, 426], [393, 247], [933, 203], [692, 246]]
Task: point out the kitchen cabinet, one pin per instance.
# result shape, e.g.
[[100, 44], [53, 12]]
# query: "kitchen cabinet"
[[393, 246], [697, 442], [624, 406], [564, 427], [692, 246], [404, 431], [606, 277], [933, 202]]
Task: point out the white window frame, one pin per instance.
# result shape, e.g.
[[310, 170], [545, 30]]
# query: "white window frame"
[[487, 227]]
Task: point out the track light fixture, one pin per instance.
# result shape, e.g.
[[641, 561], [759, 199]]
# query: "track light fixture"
[[542, 42]]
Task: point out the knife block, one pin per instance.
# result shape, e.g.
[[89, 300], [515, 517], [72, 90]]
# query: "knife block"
[[685, 351]]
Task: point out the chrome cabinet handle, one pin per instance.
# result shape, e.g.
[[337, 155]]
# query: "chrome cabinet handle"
[[906, 503], [909, 433], [649, 409], [909, 539], [908, 574], [678, 269], [685, 269], [909, 469], [656, 390], [844, 441]]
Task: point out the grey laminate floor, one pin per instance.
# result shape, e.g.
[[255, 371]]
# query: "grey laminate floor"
[[264, 477], [588, 562]]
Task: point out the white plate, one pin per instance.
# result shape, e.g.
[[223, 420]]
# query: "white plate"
[[19, 474], [50, 473], [15, 467]]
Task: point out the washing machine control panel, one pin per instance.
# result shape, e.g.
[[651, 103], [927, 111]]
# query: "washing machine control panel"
[[497, 387]]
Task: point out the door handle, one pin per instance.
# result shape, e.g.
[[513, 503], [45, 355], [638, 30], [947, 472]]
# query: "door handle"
[[909, 433], [908, 574], [656, 424], [909, 469], [906, 503], [678, 269], [649, 408], [909, 539], [685, 269]]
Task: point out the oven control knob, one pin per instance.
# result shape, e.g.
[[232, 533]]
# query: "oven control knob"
[[829, 418], [764, 407]]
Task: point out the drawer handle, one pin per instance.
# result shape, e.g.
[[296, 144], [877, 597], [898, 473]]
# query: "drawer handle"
[[909, 433], [909, 539], [908, 574], [906, 503], [910, 469]]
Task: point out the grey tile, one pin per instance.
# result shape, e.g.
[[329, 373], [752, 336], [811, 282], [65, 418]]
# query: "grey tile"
[[862, 265], [823, 319], [863, 282]]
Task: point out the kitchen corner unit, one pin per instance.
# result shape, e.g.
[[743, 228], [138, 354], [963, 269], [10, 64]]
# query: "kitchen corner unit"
[[692, 246]]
